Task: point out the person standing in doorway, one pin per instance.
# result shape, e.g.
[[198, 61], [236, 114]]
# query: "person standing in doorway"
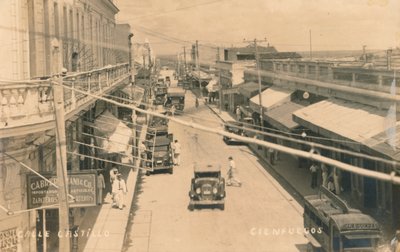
[[324, 170], [177, 152], [119, 191], [314, 175], [101, 185], [233, 174], [238, 113]]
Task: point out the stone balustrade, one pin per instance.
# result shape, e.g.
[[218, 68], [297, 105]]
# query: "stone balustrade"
[[30, 102]]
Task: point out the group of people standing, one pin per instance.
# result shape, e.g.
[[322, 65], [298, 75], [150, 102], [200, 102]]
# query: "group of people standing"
[[329, 180], [117, 187]]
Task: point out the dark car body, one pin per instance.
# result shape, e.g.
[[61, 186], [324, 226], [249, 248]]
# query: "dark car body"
[[207, 187], [159, 154]]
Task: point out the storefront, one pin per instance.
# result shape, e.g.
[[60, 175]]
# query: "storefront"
[[359, 128]]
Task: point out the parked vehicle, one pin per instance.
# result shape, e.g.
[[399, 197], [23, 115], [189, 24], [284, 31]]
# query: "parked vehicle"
[[332, 226], [207, 187], [235, 128], [158, 126], [160, 93], [176, 97], [159, 154]]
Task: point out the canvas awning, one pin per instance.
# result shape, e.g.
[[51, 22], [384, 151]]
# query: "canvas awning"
[[346, 120], [271, 98], [213, 86], [138, 93], [200, 75], [114, 136], [281, 117]]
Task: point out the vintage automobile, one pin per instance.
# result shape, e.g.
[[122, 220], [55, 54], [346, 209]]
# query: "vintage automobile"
[[176, 97], [159, 154], [331, 225], [158, 126], [207, 187], [233, 127], [160, 93]]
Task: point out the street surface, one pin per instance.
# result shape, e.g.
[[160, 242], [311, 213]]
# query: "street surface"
[[259, 216]]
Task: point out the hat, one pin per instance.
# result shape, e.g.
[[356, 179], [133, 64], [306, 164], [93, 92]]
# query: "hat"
[[230, 157]]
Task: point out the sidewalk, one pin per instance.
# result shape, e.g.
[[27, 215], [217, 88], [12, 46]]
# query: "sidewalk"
[[107, 225], [296, 180]]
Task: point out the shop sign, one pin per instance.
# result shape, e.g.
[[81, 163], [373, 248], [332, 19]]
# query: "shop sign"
[[9, 240], [82, 186]]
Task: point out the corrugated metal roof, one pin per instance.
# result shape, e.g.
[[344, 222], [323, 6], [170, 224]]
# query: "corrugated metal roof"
[[281, 117], [271, 97], [349, 120]]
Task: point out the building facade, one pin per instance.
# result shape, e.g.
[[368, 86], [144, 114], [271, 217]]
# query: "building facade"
[[39, 38]]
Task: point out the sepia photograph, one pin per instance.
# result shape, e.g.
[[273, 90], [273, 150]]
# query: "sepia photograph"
[[199, 126]]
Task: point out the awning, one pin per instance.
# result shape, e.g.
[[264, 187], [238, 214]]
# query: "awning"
[[114, 136], [201, 75], [232, 90], [137, 92], [271, 98], [213, 86], [249, 89], [343, 120], [281, 117]]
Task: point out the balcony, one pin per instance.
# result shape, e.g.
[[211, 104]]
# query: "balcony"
[[28, 106]]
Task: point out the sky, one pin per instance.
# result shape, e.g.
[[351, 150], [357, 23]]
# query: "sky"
[[286, 24]]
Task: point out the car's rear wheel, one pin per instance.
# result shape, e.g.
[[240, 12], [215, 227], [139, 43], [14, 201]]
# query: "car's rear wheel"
[[171, 170], [191, 207], [148, 173], [222, 207]]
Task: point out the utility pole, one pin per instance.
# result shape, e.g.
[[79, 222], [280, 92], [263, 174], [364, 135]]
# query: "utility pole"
[[219, 83], [364, 54], [198, 62], [61, 151], [310, 46], [259, 80], [130, 57], [184, 58]]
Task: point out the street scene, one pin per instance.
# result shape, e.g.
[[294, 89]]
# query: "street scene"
[[174, 125]]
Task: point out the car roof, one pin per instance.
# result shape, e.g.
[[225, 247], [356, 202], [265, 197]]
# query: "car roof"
[[160, 141], [206, 167]]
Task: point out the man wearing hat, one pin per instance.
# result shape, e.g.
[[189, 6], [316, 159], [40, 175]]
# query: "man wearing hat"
[[232, 174], [119, 190]]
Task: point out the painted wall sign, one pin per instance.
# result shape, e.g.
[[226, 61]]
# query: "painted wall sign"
[[82, 186], [9, 240]]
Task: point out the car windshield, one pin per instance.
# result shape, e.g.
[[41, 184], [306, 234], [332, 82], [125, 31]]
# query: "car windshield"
[[357, 243], [206, 174], [161, 148]]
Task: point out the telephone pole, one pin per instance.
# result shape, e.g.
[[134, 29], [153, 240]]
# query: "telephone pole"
[[259, 78], [61, 151], [219, 83], [198, 62], [184, 58]]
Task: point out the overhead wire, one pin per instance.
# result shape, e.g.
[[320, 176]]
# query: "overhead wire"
[[347, 167]]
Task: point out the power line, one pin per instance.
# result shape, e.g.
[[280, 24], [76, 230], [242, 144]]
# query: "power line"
[[347, 167]]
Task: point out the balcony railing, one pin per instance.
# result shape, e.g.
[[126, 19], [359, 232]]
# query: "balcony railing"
[[30, 102]]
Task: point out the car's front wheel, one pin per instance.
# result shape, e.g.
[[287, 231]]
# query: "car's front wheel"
[[222, 207]]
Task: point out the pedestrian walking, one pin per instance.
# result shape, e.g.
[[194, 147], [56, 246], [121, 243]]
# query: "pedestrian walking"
[[119, 191], [395, 242], [197, 102], [314, 175], [101, 185], [176, 148], [113, 176], [173, 110], [232, 174]]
